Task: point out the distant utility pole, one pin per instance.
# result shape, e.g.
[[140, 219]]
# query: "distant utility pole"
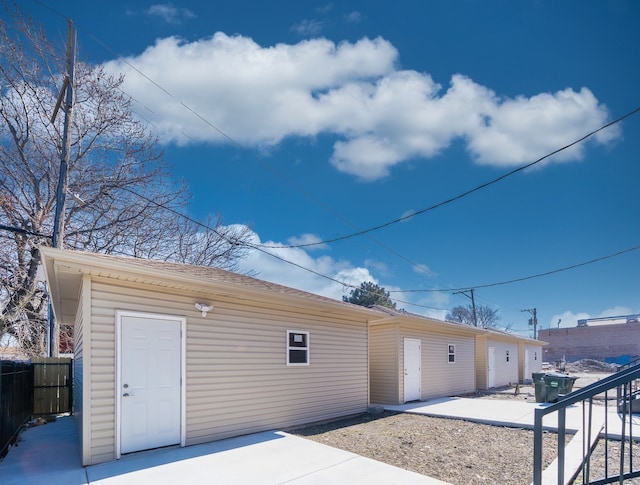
[[533, 321], [58, 225], [473, 303]]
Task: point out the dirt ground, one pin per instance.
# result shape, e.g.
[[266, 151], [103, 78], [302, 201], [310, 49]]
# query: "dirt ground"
[[456, 451]]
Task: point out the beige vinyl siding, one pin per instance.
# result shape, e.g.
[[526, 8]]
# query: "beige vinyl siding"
[[439, 377], [237, 380], [78, 370], [102, 420], [237, 377], [506, 372], [384, 370]]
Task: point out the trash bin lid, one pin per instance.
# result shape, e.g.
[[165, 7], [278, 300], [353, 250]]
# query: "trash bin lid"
[[559, 375]]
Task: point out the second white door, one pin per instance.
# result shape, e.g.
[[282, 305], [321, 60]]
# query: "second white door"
[[412, 369]]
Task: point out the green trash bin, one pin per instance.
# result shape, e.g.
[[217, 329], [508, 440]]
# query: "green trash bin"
[[566, 384], [552, 385], [558, 384], [540, 386]]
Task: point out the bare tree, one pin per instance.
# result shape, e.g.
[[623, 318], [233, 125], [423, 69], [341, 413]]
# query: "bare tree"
[[126, 201], [486, 316]]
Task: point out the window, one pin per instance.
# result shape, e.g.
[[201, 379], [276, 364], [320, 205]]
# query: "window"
[[507, 356], [452, 353], [297, 347]]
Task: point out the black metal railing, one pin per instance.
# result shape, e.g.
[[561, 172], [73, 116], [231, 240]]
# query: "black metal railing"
[[16, 400], [622, 382]]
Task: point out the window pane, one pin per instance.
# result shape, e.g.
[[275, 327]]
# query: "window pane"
[[297, 340], [297, 356]]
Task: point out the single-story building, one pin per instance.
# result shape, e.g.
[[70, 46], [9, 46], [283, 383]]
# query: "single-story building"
[[173, 354], [503, 358], [414, 358]]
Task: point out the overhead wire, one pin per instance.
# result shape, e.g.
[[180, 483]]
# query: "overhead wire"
[[237, 144], [359, 232], [470, 191], [524, 278], [260, 249]]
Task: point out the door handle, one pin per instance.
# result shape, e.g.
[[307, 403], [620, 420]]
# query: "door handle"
[[126, 394]]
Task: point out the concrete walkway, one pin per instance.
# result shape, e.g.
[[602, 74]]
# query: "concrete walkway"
[[515, 413], [48, 454]]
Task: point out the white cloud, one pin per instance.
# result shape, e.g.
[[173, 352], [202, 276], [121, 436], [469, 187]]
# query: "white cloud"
[[280, 270], [566, 319], [307, 27], [307, 239], [570, 319], [353, 17], [325, 9], [523, 129], [423, 269], [296, 268], [169, 13], [616, 311], [407, 215], [381, 116]]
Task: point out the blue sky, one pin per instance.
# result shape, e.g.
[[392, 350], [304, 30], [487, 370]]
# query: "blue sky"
[[339, 117]]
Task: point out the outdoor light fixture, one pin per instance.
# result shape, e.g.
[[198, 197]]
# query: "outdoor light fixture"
[[204, 308]]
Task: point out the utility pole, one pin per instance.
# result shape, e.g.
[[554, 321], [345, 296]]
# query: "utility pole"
[[533, 321], [473, 303], [67, 91], [58, 224]]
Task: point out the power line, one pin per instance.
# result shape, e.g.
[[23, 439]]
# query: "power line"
[[19, 230], [524, 278], [262, 250], [359, 232], [470, 191], [240, 146]]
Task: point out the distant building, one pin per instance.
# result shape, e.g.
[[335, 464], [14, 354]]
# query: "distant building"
[[609, 339], [608, 320]]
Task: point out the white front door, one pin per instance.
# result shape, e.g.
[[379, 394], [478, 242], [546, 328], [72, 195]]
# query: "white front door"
[[491, 367], [527, 370], [412, 369], [149, 385]]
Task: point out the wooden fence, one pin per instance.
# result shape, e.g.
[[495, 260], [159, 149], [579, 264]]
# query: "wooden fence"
[[52, 390]]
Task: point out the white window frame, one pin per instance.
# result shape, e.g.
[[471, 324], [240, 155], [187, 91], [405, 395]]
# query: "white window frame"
[[451, 351], [306, 348]]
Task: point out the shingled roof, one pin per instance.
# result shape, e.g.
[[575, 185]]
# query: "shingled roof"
[[202, 274]]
